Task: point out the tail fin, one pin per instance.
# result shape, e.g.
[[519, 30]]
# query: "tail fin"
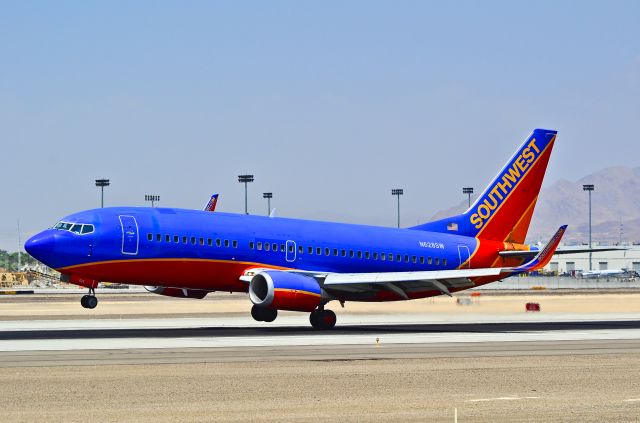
[[504, 210]]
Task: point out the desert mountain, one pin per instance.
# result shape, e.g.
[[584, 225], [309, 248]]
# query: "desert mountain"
[[615, 208]]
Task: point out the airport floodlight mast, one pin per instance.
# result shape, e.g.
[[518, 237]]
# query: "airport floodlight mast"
[[589, 189], [152, 198], [468, 191], [102, 183], [245, 179], [268, 196], [398, 192]]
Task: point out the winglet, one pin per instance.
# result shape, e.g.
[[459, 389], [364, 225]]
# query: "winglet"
[[544, 256], [211, 205]]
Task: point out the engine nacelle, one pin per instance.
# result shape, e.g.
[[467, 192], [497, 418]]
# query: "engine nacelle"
[[177, 292], [285, 291]]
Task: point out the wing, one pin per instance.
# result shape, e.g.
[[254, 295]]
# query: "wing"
[[403, 283], [563, 250]]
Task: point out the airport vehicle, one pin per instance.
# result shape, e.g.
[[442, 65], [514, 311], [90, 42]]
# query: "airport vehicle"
[[301, 265]]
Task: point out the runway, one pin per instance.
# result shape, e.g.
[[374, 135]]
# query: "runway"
[[177, 340], [394, 366]]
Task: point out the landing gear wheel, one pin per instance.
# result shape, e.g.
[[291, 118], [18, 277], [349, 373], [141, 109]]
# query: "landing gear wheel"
[[91, 301], [323, 319], [263, 314]]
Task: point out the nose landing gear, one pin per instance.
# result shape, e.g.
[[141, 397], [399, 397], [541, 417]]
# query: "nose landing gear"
[[322, 319], [89, 301]]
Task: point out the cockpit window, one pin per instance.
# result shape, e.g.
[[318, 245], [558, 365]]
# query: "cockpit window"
[[87, 229], [78, 228]]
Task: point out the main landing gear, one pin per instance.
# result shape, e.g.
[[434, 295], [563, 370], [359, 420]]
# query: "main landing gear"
[[89, 301], [263, 314], [322, 319]]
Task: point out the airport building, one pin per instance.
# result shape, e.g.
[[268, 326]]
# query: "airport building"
[[608, 260]]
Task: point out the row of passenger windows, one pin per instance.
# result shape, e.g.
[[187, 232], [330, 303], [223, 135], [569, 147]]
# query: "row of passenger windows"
[[349, 253], [193, 240], [268, 246]]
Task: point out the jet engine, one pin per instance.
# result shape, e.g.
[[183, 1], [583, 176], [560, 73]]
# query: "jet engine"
[[177, 292], [285, 291]]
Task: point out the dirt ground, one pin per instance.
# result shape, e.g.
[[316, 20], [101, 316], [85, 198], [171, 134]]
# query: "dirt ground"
[[150, 305], [592, 388]]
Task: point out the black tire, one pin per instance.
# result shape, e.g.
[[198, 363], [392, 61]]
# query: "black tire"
[[83, 301], [327, 319], [314, 320], [256, 313], [269, 314], [91, 302]]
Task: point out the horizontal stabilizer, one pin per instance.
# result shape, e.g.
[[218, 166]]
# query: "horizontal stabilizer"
[[544, 256]]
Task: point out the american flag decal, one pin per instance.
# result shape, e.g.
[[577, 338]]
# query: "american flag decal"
[[452, 226]]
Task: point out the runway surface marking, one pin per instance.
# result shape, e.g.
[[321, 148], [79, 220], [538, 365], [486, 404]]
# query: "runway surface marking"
[[500, 399]]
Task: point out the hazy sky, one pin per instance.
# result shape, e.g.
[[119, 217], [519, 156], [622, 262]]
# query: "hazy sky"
[[329, 104]]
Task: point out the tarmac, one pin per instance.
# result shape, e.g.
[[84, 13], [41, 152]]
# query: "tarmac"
[[483, 361]]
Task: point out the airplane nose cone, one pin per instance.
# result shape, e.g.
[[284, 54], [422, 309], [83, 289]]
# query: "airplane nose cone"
[[40, 245]]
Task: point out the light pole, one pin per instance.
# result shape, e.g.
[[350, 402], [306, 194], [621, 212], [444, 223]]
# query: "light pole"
[[589, 188], [398, 192], [268, 196], [245, 179], [152, 198], [468, 191], [102, 183]]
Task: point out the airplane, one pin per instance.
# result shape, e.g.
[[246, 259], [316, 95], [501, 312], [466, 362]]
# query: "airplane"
[[611, 273], [301, 265]]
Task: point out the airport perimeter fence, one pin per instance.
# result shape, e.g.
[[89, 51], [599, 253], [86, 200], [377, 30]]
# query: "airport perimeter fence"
[[560, 282]]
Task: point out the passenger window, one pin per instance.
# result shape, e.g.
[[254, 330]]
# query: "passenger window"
[[300, 249], [406, 258], [383, 256], [366, 255], [209, 242], [398, 257], [444, 261], [421, 260], [87, 229], [158, 237], [259, 246], [359, 254], [335, 251], [267, 246], [226, 242], [414, 259], [176, 239], [437, 261], [201, 241], [429, 260], [350, 253], [310, 250], [282, 248], [218, 242], [234, 244], [319, 251], [326, 251], [390, 257], [251, 245], [291, 249], [274, 247], [375, 256], [167, 238], [193, 240], [184, 239], [344, 253], [150, 237]]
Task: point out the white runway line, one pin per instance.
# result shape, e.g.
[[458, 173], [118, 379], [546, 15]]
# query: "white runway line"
[[500, 399], [632, 400]]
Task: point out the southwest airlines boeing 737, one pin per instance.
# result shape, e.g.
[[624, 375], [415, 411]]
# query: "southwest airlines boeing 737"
[[301, 265]]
